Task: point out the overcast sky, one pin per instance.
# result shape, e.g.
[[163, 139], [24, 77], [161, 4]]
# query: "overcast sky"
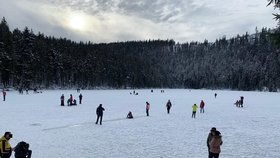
[[123, 20]]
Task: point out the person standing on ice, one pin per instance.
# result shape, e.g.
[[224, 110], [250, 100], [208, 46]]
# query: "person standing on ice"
[[215, 145], [4, 95], [215, 95], [209, 138], [99, 113], [80, 98], [241, 101], [62, 100], [202, 104], [147, 108], [194, 108], [5, 146], [71, 99], [168, 106]]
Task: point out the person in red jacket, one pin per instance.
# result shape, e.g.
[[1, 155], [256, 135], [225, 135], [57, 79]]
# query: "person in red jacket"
[[202, 104]]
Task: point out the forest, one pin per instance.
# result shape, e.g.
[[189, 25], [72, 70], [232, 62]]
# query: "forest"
[[244, 62]]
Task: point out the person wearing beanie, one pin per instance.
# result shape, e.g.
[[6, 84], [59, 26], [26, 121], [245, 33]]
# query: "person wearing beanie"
[[215, 145], [209, 138], [5, 146]]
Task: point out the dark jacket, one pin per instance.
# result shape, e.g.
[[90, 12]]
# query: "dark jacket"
[[22, 150], [209, 138], [99, 110]]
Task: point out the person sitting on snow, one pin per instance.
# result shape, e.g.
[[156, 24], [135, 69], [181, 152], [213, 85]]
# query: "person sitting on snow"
[[129, 115], [22, 150]]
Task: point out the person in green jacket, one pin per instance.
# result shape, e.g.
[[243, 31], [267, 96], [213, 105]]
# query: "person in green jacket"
[[194, 108], [5, 147]]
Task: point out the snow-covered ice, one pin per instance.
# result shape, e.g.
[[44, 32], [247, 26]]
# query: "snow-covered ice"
[[70, 132]]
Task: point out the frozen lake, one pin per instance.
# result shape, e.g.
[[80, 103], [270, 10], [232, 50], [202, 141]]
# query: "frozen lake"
[[71, 132]]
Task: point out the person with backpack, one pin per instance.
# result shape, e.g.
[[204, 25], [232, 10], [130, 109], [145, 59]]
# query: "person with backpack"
[[209, 138], [22, 150], [168, 106], [99, 113], [215, 145], [5, 146]]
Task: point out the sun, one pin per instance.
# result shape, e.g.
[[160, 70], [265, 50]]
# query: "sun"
[[77, 22]]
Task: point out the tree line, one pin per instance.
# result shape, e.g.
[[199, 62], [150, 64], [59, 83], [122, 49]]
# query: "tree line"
[[244, 62]]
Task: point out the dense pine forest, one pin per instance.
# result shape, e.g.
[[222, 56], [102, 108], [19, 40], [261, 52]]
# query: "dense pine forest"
[[244, 62]]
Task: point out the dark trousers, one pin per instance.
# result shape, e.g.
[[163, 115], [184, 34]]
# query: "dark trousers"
[[168, 110], [213, 155], [62, 103], [147, 112], [99, 116], [4, 97], [80, 101], [193, 114], [6, 155], [201, 110]]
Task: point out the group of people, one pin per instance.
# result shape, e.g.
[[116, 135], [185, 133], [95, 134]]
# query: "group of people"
[[194, 108], [239, 103], [21, 149], [71, 101]]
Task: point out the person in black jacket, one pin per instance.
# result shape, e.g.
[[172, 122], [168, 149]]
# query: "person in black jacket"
[[22, 150], [99, 113], [129, 115]]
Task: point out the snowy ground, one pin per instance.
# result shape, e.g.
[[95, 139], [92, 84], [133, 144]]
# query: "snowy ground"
[[70, 132]]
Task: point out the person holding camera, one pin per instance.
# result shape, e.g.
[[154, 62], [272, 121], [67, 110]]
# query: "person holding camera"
[[5, 146]]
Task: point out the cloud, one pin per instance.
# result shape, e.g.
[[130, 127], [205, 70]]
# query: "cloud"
[[122, 20]]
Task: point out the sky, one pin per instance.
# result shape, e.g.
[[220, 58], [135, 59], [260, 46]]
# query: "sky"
[[124, 20]]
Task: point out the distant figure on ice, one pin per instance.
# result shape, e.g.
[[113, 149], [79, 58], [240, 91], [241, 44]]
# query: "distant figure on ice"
[[71, 99], [147, 108], [168, 106], [22, 150], [26, 90], [194, 108], [202, 104], [80, 98], [241, 101], [129, 115], [152, 91], [215, 95], [209, 138], [78, 90], [99, 113], [5, 146], [215, 145], [237, 104], [4, 95], [62, 100]]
